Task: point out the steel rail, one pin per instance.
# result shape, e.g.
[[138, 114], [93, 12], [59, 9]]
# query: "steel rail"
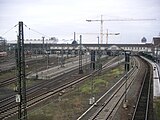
[[142, 105], [131, 72], [49, 91]]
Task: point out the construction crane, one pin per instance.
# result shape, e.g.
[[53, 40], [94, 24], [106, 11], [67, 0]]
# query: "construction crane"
[[107, 34], [102, 20]]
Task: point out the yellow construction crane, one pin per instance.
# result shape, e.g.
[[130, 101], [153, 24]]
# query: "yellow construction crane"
[[101, 20]]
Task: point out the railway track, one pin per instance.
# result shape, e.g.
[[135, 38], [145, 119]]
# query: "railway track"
[[106, 106], [142, 110], [38, 87], [8, 81], [11, 64], [12, 80], [8, 109]]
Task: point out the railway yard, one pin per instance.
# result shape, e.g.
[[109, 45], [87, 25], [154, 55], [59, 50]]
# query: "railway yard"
[[58, 92], [79, 60]]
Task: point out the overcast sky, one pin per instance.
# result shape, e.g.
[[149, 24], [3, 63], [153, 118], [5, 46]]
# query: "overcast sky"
[[61, 18]]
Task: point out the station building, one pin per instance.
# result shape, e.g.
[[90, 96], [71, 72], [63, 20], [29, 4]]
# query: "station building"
[[149, 48]]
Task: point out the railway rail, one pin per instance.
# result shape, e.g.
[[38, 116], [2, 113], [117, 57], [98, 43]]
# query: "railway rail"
[[8, 81], [105, 103], [7, 111], [106, 106], [144, 102], [11, 64], [12, 80]]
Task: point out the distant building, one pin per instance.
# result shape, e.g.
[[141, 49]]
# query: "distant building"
[[143, 40], [150, 48], [3, 43], [2, 40], [156, 42], [74, 42]]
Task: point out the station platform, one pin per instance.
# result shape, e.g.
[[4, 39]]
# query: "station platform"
[[157, 81], [58, 70], [156, 77]]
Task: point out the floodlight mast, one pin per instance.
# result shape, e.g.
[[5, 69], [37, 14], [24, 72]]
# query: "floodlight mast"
[[101, 20]]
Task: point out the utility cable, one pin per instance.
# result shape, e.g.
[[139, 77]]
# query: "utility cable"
[[36, 31], [9, 30]]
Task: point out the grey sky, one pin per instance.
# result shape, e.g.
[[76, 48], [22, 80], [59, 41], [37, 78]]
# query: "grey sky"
[[60, 18]]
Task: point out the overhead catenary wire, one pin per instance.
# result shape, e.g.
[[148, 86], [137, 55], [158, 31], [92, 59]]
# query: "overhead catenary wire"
[[36, 31], [26, 27], [9, 30]]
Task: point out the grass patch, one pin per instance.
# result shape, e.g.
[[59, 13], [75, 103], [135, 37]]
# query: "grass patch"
[[157, 107], [66, 108], [85, 89], [29, 83], [97, 84], [74, 102], [11, 86], [7, 74]]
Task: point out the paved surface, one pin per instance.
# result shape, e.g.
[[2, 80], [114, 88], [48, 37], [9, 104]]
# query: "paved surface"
[[11, 63], [156, 81], [156, 78], [57, 71]]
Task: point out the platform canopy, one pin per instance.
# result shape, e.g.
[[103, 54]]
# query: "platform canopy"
[[114, 48]]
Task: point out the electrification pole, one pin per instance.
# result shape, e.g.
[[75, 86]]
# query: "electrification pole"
[[99, 56], [127, 67], [62, 57], [21, 96], [43, 47], [80, 56]]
